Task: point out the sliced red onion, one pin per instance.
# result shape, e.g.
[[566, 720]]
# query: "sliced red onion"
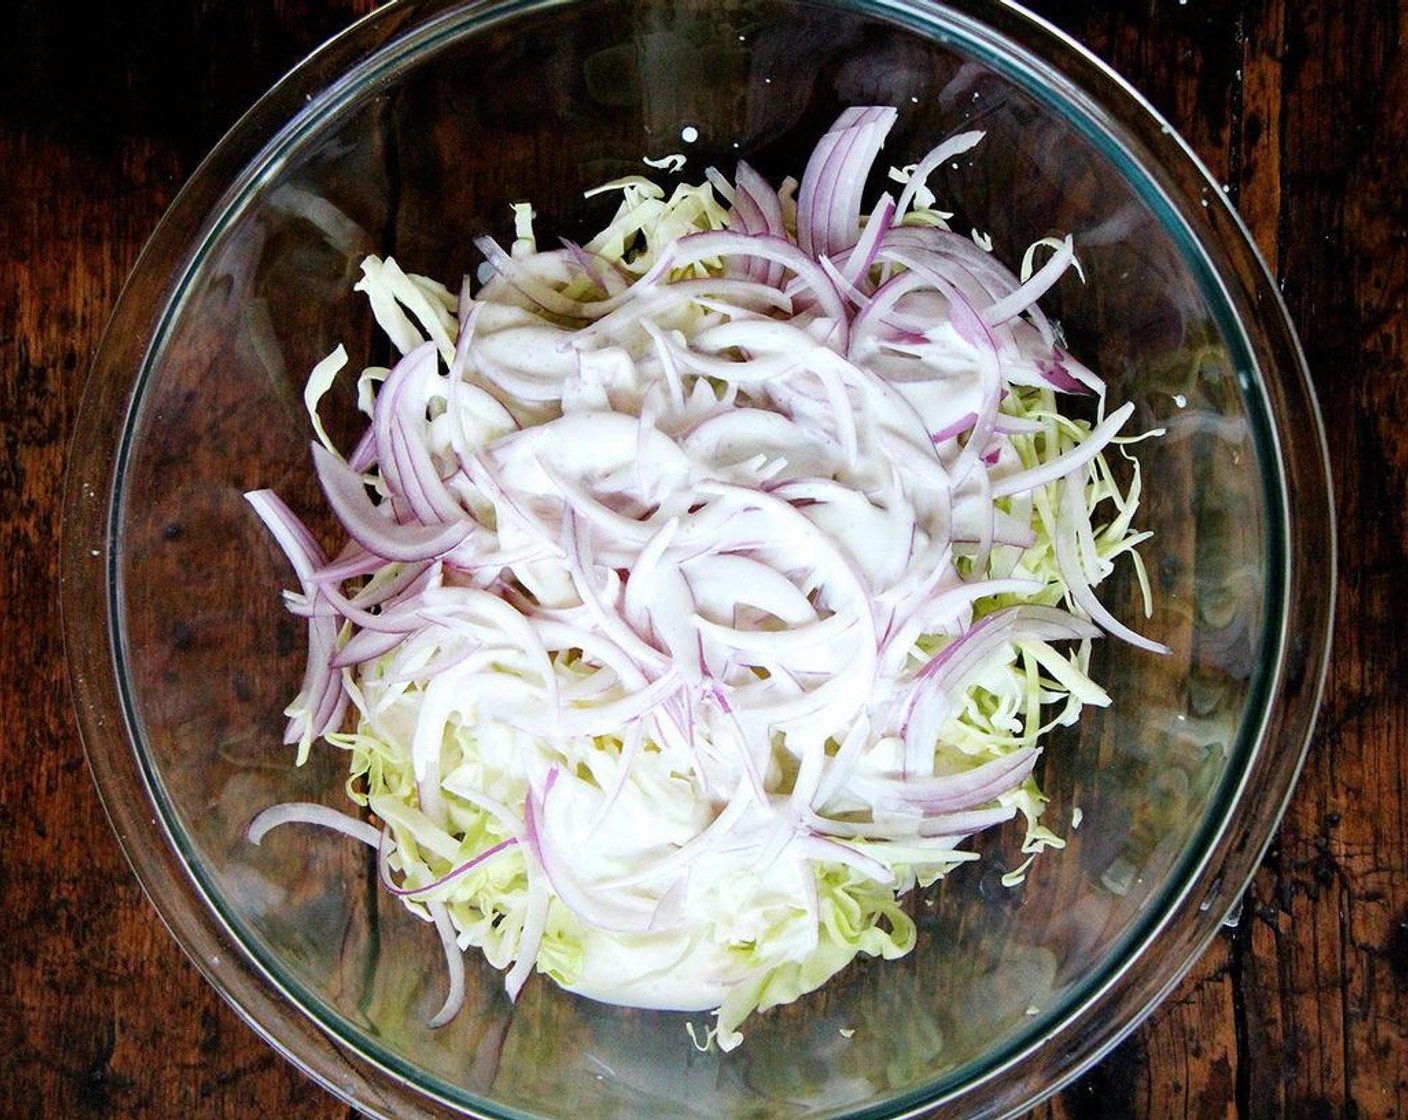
[[363, 456], [365, 646], [450, 876], [454, 965], [1033, 289], [307, 812], [707, 840], [949, 149], [648, 660], [346, 493], [353, 562], [606, 718], [766, 211], [530, 937], [862, 254], [779, 643], [613, 911], [543, 294], [298, 544], [979, 275], [1072, 511], [829, 199], [724, 295], [723, 243], [948, 793], [963, 315], [1067, 462], [1058, 373], [938, 686], [749, 373], [399, 424], [963, 424], [825, 850], [321, 702], [323, 699], [947, 828], [872, 327]]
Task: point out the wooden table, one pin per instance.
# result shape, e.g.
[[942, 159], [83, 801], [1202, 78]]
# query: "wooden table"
[[1300, 108]]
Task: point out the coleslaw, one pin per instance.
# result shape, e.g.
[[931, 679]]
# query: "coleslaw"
[[709, 583]]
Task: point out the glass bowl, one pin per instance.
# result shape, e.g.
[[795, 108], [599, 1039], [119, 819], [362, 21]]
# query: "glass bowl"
[[411, 134]]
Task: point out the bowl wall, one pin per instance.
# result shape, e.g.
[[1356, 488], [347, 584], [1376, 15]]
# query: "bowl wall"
[[424, 145]]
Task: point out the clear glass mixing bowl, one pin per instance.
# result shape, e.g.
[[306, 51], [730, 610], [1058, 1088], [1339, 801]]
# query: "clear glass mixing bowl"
[[410, 134]]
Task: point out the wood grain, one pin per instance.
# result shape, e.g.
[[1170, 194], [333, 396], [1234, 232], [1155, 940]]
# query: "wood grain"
[[1300, 1011]]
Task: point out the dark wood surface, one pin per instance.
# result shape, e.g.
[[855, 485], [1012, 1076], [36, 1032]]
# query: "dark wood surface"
[[1301, 109]]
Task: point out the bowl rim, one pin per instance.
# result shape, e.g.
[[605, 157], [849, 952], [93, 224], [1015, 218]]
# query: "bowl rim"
[[1105, 105]]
